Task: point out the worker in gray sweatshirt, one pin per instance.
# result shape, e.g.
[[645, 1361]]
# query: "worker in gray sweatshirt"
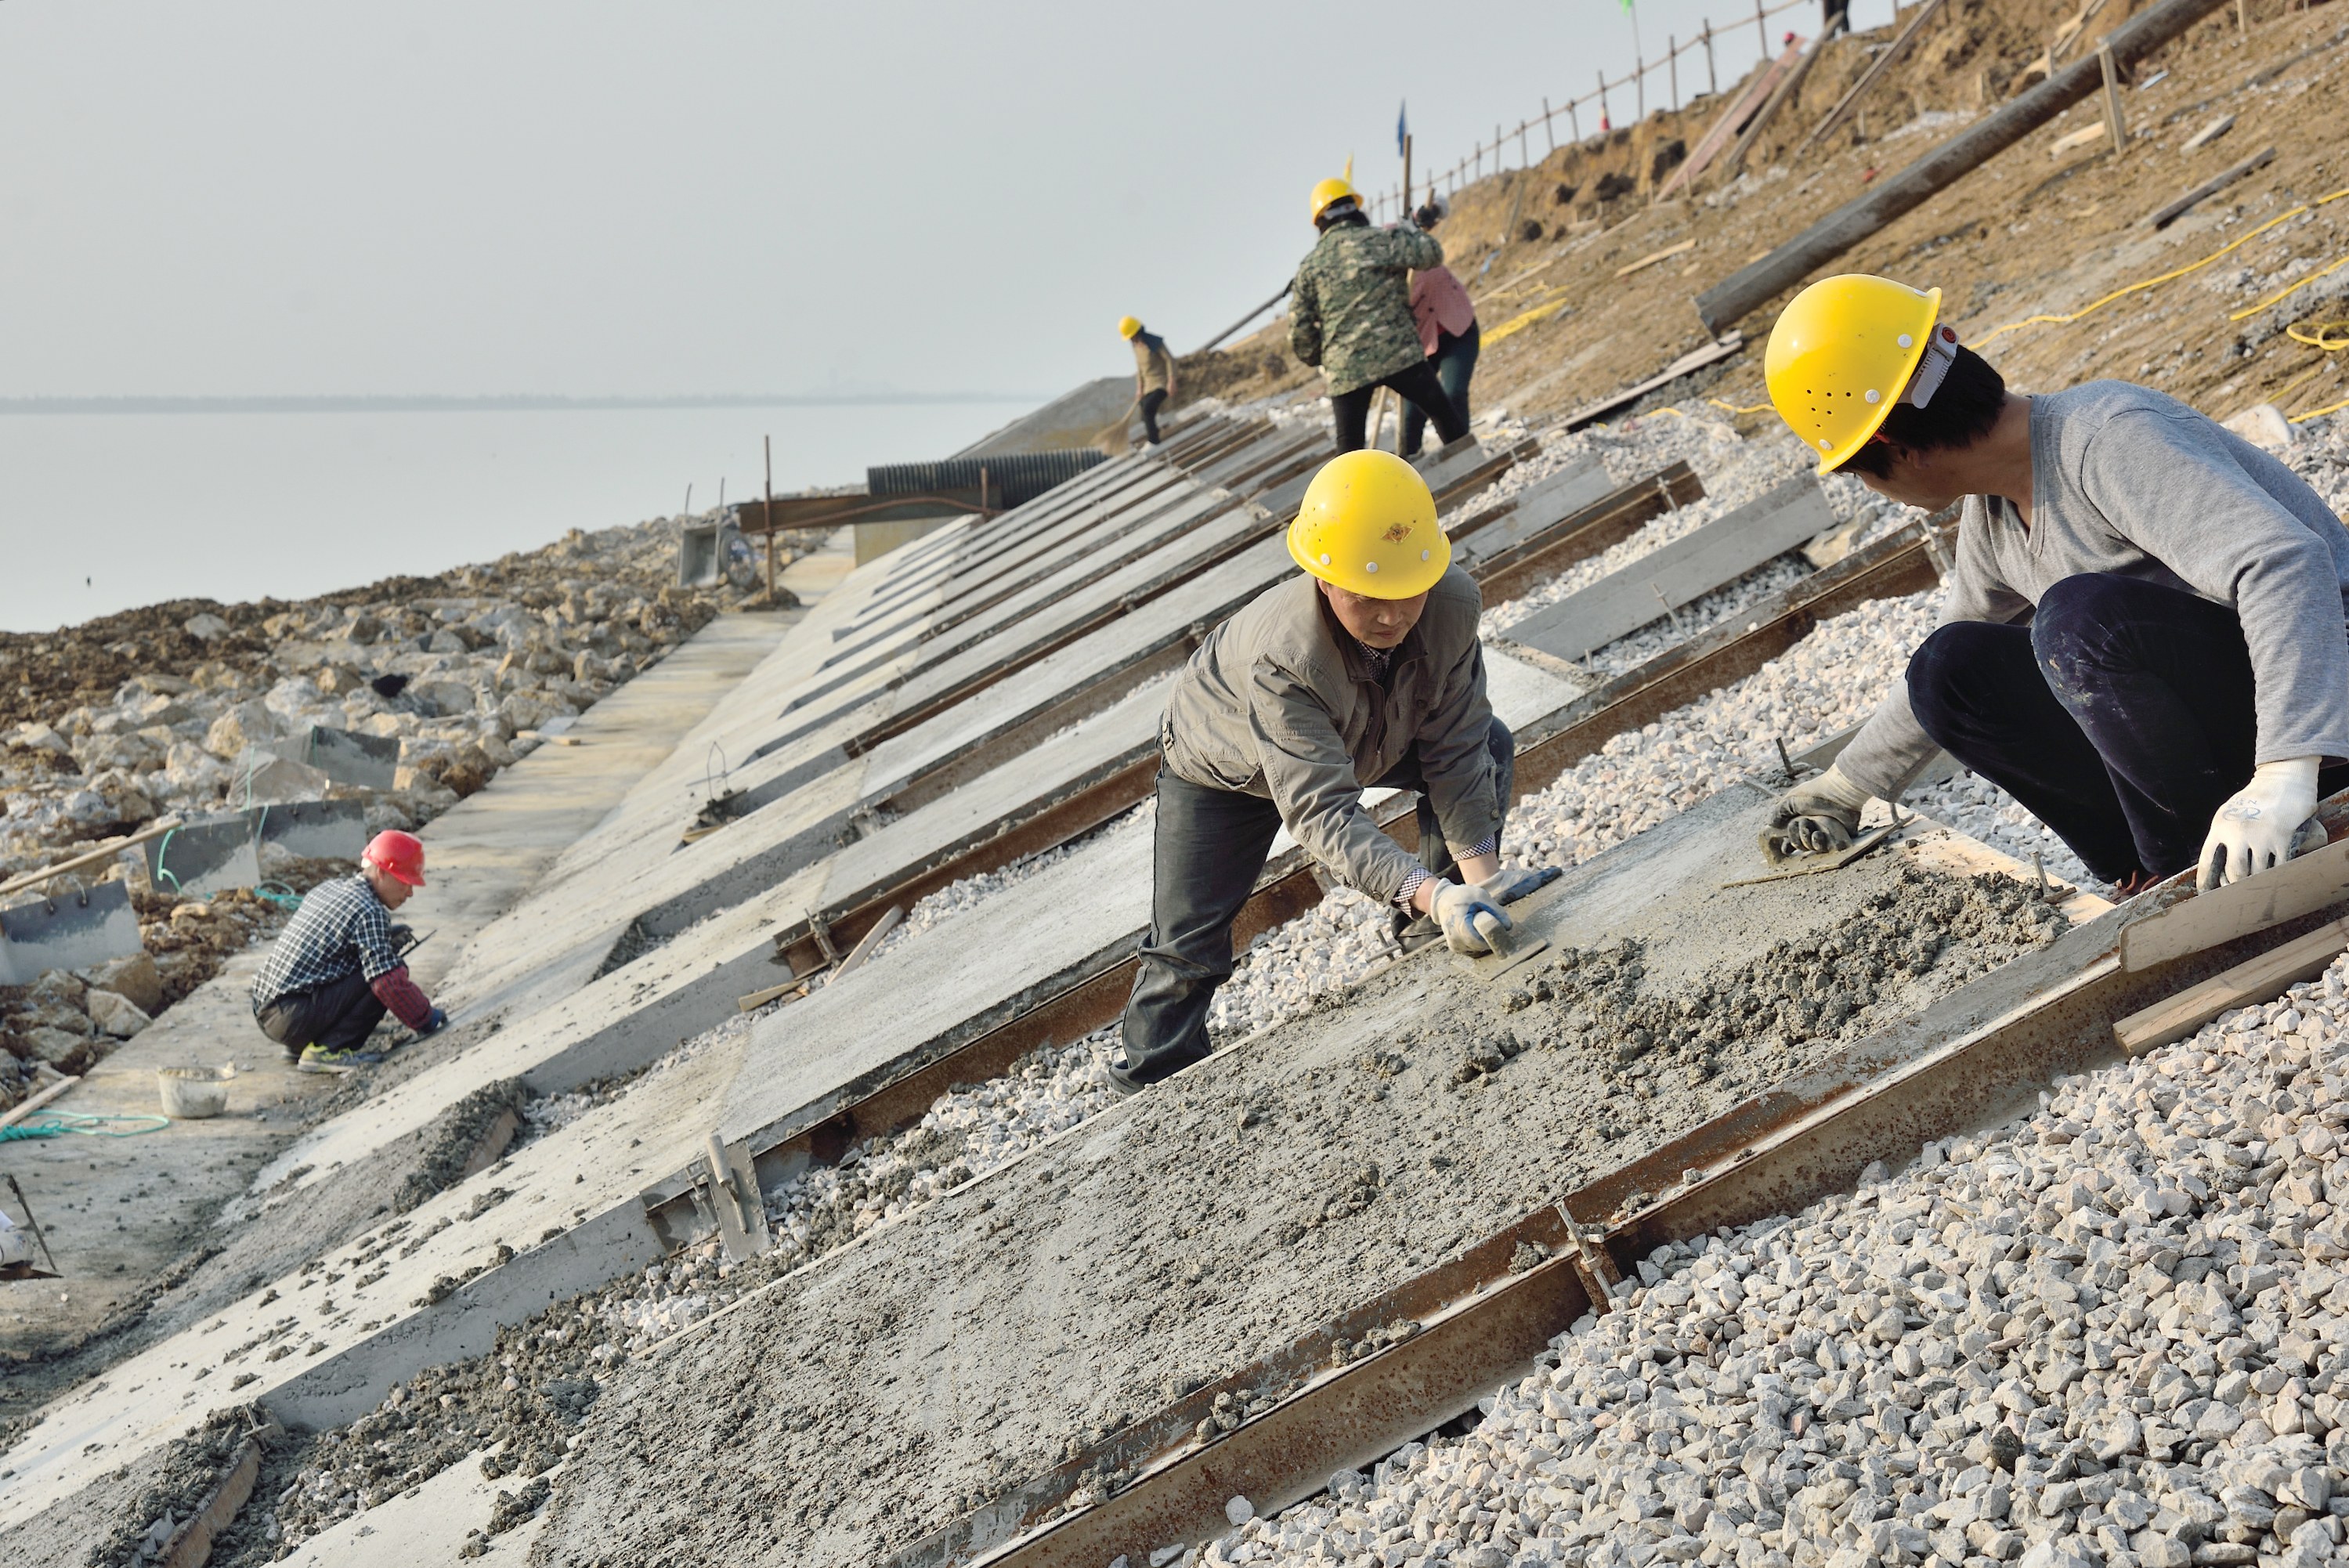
[[2142, 639]]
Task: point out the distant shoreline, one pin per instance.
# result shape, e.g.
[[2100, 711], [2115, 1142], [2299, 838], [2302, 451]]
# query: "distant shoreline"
[[521, 403]]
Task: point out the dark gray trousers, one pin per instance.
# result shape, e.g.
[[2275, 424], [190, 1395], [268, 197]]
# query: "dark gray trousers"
[[1210, 847], [338, 1015]]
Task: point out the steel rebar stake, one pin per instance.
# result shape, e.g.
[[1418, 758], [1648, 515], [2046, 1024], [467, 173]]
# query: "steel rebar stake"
[[31, 1223]]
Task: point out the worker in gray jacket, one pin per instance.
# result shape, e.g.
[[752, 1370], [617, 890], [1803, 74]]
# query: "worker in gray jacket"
[[1365, 672], [2143, 636]]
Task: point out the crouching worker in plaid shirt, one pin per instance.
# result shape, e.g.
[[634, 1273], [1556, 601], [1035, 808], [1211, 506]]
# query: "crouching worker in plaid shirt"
[[336, 968]]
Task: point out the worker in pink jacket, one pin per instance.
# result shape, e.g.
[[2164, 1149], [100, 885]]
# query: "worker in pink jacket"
[[1447, 331]]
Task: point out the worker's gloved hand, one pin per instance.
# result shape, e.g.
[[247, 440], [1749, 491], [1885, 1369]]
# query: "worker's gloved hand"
[[1455, 908], [434, 1024], [403, 937], [1511, 883], [2254, 831], [1816, 815]]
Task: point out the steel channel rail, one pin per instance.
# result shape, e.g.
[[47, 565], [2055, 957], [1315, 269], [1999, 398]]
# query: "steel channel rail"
[[1974, 1056]]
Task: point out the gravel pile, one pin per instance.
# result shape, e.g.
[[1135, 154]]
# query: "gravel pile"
[[2114, 1332]]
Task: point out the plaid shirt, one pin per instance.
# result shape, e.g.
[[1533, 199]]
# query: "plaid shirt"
[[342, 929]]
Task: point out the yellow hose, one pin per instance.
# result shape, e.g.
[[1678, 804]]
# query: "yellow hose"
[[2169, 276]]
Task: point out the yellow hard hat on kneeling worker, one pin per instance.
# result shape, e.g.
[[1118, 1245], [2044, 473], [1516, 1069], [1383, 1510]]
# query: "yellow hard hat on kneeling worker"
[[1840, 356], [1368, 525], [1328, 193], [1127, 326]]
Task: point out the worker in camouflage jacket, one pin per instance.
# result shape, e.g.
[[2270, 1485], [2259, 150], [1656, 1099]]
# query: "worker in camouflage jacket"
[[1351, 314]]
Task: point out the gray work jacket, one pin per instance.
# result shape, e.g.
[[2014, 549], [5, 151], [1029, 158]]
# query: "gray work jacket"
[[1281, 702]]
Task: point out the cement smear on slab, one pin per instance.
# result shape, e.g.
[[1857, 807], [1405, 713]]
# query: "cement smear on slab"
[[985, 1336]]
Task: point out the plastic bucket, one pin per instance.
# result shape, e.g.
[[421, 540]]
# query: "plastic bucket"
[[192, 1094]]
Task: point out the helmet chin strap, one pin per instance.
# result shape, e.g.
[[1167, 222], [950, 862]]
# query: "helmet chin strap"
[[1940, 353]]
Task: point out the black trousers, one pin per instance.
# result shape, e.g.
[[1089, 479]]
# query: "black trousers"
[[338, 1015], [1152, 401], [2122, 716], [1209, 847], [1349, 412], [1455, 363]]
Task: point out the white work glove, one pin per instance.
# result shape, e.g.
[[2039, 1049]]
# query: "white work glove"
[[1819, 814], [2254, 831], [1455, 908], [1511, 883], [13, 1247]]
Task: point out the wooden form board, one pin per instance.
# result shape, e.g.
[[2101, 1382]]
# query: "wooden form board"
[[1679, 573], [2298, 887], [2259, 979]]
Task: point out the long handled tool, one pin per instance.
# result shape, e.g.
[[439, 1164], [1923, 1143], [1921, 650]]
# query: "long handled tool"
[[31, 1223], [1110, 441]]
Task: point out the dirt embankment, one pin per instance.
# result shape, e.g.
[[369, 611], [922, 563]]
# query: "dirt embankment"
[[2031, 233]]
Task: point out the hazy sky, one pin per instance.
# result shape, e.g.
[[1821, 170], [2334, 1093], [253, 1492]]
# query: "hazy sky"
[[582, 198]]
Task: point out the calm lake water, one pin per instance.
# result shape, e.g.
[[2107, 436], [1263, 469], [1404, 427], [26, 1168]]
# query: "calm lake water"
[[100, 513]]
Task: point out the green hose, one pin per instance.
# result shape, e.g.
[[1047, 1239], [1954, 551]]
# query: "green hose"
[[59, 1122]]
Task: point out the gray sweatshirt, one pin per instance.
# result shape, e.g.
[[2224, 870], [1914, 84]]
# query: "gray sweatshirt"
[[1279, 702], [2129, 482]]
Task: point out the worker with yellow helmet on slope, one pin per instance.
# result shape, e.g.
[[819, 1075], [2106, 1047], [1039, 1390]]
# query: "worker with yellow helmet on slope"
[[1364, 671], [2142, 637], [1154, 373], [1349, 312]]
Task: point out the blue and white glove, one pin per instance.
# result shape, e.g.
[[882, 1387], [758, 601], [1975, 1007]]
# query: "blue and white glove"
[[1456, 908]]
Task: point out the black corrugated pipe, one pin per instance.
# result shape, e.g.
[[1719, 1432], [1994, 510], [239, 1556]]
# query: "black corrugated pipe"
[[1012, 479]]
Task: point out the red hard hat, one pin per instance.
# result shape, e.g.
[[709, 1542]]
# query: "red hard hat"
[[398, 855]]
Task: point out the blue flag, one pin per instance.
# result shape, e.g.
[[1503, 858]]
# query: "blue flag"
[[1402, 127]]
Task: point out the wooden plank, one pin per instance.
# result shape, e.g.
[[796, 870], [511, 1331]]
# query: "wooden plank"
[[105, 852], [2162, 218], [1867, 78], [1788, 86], [1733, 119], [1680, 572], [2259, 980], [1695, 359], [1751, 286], [2208, 134], [1653, 257], [2298, 887], [871, 939]]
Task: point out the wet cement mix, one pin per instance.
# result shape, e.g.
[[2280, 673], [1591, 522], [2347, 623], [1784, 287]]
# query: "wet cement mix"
[[1018, 1321]]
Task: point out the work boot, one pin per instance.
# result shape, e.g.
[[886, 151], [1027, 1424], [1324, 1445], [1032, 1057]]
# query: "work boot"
[[321, 1060], [1120, 1082]]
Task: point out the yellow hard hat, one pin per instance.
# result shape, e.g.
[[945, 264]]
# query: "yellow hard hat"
[[1128, 325], [1328, 191], [1840, 356], [1368, 525]]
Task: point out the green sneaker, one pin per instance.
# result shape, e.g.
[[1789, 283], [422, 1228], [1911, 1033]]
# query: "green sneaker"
[[320, 1059]]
